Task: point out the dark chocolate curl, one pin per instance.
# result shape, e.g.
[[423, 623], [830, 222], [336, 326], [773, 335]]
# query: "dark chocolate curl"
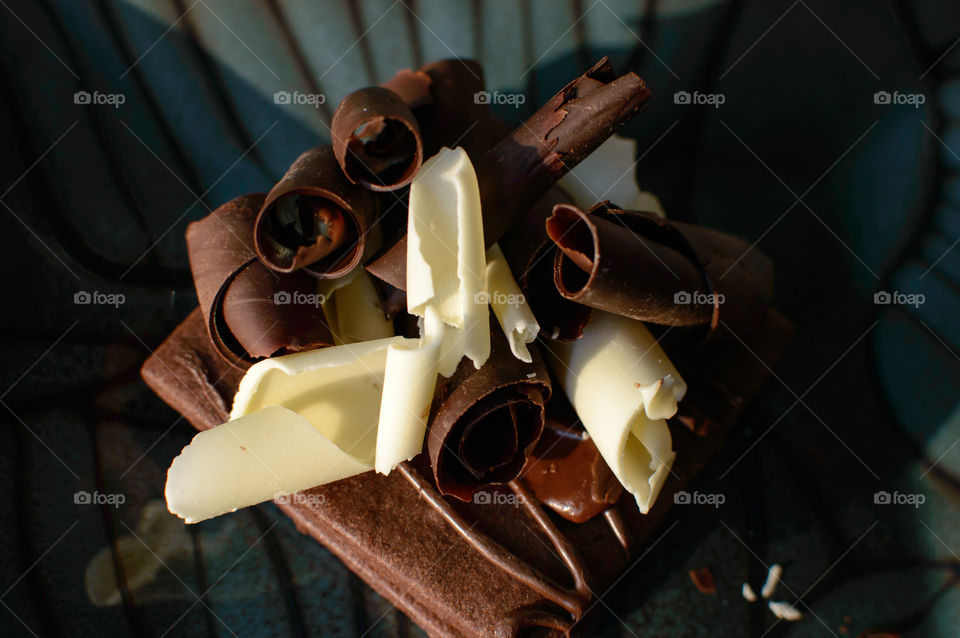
[[250, 311], [530, 254], [444, 97], [566, 471], [638, 265], [485, 422], [316, 220], [376, 139], [523, 166]]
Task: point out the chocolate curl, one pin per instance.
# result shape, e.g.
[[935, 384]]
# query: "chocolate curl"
[[444, 98], [250, 311], [376, 139], [315, 219], [638, 265], [520, 169], [485, 422], [566, 471], [530, 254]]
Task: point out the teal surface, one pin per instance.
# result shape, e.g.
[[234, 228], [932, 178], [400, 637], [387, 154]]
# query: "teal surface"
[[849, 196]]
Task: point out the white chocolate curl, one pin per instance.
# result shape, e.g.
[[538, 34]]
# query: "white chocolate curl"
[[446, 288], [298, 421], [608, 173], [509, 305], [623, 386], [446, 266]]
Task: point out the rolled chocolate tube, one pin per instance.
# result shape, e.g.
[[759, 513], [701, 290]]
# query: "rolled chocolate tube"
[[638, 265], [443, 97], [523, 166], [530, 254], [250, 311], [485, 422], [376, 139], [316, 220]]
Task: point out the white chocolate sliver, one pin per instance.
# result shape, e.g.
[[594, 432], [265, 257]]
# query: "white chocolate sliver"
[[747, 592], [446, 266], [269, 453], [773, 579], [408, 385], [606, 374], [509, 305], [359, 313], [785, 611], [609, 173]]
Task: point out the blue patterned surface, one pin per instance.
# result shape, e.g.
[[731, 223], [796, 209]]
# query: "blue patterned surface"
[[848, 196]]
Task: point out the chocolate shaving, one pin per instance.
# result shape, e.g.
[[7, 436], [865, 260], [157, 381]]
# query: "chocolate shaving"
[[485, 422], [520, 169], [316, 220], [565, 470], [250, 311], [376, 139], [702, 579], [638, 265]]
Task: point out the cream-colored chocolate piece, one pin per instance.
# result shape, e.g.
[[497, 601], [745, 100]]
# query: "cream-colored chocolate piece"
[[298, 421], [608, 173], [446, 266], [773, 579], [509, 305], [408, 386], [785, 611], [747, 592], [354, 311], [610, 374]]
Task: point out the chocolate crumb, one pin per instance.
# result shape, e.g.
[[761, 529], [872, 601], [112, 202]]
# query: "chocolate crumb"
[[703, 580]]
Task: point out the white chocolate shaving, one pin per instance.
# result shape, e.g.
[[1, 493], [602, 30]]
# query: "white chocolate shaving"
[[609, 375], [298, 421], [408, 385], [773, 579], [509, 305], [355, 313], [446, 267], [608, 173], [785, 611], [747, 592]]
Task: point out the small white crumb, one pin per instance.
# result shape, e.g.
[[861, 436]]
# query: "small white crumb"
[[773, 579], [556, 332], [531, 375], [785, 611], [747, 592]]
